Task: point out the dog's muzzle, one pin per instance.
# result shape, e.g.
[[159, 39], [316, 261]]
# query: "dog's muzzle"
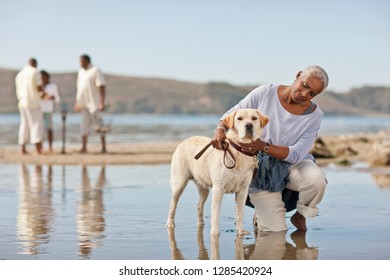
[[249, 129]]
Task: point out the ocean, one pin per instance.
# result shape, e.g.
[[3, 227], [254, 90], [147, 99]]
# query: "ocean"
[[167, 128]]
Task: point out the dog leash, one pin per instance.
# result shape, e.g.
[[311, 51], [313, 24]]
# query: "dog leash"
[[225, 148]]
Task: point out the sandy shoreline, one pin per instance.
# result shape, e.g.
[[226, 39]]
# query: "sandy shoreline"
[[338, 149], [135, 153]]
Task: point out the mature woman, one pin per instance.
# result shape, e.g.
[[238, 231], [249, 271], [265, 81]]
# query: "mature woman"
[[294, 122]]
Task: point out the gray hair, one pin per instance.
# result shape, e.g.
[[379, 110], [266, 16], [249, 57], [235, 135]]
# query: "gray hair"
[[318, 72]]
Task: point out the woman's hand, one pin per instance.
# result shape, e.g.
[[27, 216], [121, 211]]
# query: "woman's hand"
[[218, 138], [253, 147]]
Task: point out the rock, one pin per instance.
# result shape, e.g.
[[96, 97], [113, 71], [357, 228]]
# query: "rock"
[[346, 151], [380, 155], [320, 149], [382, 180]]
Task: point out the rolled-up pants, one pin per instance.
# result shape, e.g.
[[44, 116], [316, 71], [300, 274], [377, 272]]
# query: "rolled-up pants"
[[306, 178]]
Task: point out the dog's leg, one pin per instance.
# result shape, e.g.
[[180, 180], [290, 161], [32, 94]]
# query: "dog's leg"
[[203, 194], [240, 206], [215, 247], [176, 253], [178, 183], [218, 193], [202, 248], [239, 248]]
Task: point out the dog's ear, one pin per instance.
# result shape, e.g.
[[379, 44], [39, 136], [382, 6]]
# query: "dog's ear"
[[263, 119], [229, 120]]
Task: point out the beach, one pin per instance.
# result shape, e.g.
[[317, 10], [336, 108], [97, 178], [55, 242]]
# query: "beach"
[[114, 206], [343, 149], [118, 212], [132, 153]]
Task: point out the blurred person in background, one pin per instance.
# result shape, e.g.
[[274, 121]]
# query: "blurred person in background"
[[29, 92], [90, 98], [48, 105]]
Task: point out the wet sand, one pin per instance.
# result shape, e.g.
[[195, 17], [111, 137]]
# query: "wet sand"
[[133, 153], [118, 212], [115, 205]]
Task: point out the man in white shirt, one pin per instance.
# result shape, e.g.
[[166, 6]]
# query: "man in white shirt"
[[91, 91], [47, 105], [29, 92]]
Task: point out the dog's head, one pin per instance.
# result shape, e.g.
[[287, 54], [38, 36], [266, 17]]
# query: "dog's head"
[[245, 125]]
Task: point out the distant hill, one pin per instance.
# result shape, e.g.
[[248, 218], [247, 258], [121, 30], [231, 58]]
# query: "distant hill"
[[164, 96]]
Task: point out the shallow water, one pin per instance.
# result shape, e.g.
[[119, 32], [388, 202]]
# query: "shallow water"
[[165, 128], [119, 212]]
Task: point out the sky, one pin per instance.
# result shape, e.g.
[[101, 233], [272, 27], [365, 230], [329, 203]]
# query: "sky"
[[239, 42]]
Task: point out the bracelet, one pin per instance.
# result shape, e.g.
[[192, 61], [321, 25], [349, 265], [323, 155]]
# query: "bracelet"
[[266, 148], [221, 127]]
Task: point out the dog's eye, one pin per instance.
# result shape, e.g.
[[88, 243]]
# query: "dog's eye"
[[254, 118], [239, 118]]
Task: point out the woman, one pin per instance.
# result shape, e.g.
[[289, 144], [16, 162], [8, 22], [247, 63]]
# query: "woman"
[[294, 122]]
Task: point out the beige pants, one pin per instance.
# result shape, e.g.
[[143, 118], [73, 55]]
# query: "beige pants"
[[31, 129], [274, 246], [306, 178], [90, 121]]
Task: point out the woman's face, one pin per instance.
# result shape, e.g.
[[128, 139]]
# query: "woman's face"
[[306, 88]]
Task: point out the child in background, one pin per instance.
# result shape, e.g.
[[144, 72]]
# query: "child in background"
[[47, 105]]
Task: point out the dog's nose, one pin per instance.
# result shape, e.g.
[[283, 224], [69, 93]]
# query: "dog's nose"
[[248, 126]]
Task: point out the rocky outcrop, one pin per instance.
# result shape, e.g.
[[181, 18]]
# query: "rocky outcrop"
[[320, 149], [348, 148], [380, 153]]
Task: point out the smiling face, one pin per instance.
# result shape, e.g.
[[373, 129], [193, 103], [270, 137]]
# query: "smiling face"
[[306, 88], [245, 125]]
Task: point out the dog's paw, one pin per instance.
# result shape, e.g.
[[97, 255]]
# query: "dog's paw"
[[241, 232], [170, 224], [200, 223]]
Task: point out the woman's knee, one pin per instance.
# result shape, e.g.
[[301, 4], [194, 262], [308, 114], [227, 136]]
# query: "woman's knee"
[[308, 175], [269, 210]]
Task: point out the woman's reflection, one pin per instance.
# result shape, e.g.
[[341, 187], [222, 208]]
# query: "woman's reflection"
[[90, 213], [273, 246], [35, 209]]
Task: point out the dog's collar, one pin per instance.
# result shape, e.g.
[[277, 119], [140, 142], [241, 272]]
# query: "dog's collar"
[[238, 148]]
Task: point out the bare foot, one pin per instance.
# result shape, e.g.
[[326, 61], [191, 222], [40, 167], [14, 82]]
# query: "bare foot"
[[299, 221], [299, 238]]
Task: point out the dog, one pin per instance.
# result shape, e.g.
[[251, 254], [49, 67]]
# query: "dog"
[[211, 170]]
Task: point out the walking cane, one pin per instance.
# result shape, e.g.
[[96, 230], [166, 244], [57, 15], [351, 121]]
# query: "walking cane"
[[64, 111]]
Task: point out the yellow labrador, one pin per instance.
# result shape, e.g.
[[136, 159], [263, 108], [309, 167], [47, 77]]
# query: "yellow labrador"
[[221, 171]]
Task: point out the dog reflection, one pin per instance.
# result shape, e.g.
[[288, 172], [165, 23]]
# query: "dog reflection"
[[90, 213], [202, 253], [176, 252], [35, 213], [267, 246]]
